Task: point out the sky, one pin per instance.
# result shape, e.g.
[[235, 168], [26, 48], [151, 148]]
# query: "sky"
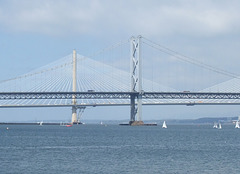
[[36, 33]]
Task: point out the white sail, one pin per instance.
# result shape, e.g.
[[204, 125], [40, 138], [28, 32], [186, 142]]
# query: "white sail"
[[237, 125], [164, 125], [219, 126], [215, 125]]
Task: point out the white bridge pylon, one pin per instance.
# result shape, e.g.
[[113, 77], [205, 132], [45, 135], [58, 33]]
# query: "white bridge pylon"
[[74, 89]]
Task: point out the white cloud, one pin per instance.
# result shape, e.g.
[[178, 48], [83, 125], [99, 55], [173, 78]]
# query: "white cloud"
[[188, 18], [49, 17], [130, 17]]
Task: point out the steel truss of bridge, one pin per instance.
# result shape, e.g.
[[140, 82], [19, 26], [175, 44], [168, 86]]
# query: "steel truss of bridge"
[[117, 95]]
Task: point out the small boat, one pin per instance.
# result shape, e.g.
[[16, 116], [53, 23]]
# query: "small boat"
[[65, 124], [41, 123], [219, 126], [102, 124], [164, 125], [237, 125], [215, 126]]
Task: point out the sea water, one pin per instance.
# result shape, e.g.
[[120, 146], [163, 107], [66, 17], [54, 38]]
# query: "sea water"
[[109, 149]]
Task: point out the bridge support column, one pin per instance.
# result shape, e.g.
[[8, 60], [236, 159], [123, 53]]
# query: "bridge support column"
[[136, 80], [74, 89], [80, 113], [133, 110], [74, 115]]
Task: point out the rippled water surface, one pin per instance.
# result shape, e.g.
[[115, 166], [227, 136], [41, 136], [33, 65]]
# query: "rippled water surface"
[[119, 149]]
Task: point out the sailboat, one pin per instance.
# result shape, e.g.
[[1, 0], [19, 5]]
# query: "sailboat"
[[164, 125], [237, 125], [215, 126], [219, 126]]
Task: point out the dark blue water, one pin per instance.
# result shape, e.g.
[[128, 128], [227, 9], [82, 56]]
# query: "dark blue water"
[[119, 149]]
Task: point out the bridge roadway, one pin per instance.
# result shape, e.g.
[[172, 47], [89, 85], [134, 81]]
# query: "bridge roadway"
[[185, 98], [117, 95]]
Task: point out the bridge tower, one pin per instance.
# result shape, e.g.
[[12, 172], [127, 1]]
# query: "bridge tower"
[[136, 81], [74, 89]]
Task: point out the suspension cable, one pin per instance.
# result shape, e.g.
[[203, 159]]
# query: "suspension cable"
[[189, 59]]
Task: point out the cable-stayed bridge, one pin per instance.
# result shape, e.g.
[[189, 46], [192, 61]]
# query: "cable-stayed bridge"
[[106, 79]]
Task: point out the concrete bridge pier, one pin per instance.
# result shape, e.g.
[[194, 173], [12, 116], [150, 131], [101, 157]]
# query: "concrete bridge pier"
[[74, 115], [74, 89]]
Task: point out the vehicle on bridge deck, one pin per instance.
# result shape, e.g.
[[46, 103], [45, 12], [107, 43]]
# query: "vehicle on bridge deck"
[[91, 90]]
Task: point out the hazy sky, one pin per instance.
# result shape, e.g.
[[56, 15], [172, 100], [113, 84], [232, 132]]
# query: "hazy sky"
[[35, 33]]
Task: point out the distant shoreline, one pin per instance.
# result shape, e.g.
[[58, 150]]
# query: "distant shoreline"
[[25, 123], [199, 121]]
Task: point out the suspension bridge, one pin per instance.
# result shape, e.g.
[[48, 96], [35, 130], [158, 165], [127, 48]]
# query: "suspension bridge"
[[78, 81]]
